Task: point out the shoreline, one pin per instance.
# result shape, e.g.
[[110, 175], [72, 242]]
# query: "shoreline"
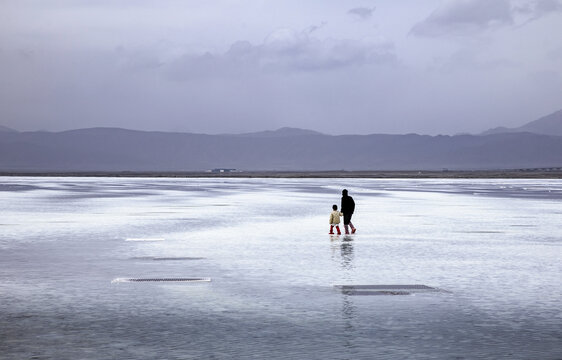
[[450, 174]]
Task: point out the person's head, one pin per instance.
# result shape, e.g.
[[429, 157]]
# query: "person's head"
[[334, 207], [344, 192]]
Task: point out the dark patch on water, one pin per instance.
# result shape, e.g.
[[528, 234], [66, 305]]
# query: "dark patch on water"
[[17, 187], [198, 279], [367, 290], [176, 258], [166, 258], [492, 190], [375, 293], [385, 287]]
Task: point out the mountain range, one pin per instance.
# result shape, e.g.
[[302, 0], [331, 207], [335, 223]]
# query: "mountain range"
[[547, 125], [286, 149], [6, 129]]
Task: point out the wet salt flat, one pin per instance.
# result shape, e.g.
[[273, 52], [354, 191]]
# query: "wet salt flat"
[[280, 287]]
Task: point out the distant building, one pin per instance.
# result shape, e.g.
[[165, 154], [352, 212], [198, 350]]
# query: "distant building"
[[221, 170]]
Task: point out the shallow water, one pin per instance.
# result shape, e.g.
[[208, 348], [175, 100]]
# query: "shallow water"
[[492, 246]]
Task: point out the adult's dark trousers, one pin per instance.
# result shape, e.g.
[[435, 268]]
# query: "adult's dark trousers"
[[347, 218]]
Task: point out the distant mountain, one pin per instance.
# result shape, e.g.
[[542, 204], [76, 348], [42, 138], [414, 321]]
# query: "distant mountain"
[[6, 129], [283, 132], [547, 125], [110, 149]]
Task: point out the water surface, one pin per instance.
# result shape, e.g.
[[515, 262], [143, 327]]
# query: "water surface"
[[494, 245]]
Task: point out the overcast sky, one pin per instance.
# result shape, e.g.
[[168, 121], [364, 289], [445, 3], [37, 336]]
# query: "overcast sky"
[[233, 66]]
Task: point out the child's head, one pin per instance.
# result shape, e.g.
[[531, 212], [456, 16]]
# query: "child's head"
[[335, 207]]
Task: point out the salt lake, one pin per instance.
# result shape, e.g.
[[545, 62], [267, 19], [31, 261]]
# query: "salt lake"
[[271, 278]]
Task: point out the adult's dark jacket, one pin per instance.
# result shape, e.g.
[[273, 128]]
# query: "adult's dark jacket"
[[347, 204]]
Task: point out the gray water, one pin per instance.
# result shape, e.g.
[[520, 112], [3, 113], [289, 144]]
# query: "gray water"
[[492, 246]]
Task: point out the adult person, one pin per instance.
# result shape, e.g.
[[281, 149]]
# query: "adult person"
[[347, 208]]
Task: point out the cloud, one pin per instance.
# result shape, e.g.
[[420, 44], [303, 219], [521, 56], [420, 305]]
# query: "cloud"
[[463, 16], [285, 50], [527, 11], [459, 17], [362, 13], [288, 49]]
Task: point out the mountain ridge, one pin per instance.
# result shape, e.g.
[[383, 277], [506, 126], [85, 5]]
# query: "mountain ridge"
[[281, 132], [284, 149], [6, 129], [108, 149], [547, 125]]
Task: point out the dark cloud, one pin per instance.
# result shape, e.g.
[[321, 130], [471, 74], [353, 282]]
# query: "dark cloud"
[[546, 6], [285, 50], [534, 10], [467, 16], [362, 13], [314, 28]]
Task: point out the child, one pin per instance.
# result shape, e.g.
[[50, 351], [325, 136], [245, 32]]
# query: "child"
[[335, 220]]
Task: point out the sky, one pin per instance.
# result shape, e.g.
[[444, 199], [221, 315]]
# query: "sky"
[[235, 66]]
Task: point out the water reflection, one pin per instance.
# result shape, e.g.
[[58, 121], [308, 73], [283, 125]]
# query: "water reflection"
[[349, 313], [348, 310], [346, 251]]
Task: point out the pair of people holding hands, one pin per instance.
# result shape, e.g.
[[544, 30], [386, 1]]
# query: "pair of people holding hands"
[[347, 209]]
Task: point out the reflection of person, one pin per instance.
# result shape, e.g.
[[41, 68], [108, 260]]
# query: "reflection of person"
[[335, 220], [347, 208], [346, 250]]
